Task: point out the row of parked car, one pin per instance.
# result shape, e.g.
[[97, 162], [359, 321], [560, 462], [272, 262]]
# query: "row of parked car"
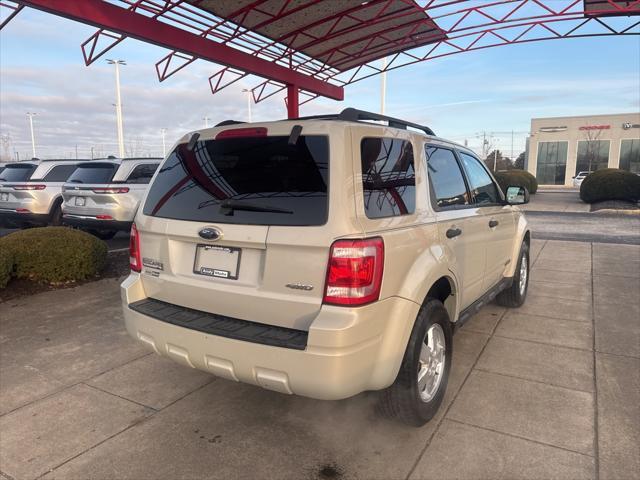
[[100, 195]]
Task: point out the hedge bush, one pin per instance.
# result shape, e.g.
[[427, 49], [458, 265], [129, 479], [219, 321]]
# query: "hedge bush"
[[518, 178], [6, 266], [610, 184], [53, 254]]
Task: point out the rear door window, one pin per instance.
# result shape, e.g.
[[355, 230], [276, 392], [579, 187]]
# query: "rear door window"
[[388, 177], [484, 191], [142, 173], [245, 180], [17, 173], [93, 173], [448, 188], [59, 173]]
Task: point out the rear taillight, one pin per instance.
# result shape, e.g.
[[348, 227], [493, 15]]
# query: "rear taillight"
[[23, 210], [29, 187], [354, 274], [104, 217], [111, 190], [135, 261]]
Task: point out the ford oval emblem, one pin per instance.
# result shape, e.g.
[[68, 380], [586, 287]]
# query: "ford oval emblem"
[[210, 233]]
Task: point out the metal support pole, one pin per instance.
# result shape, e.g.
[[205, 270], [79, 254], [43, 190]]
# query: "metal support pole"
[[383, 86], [293, 104]]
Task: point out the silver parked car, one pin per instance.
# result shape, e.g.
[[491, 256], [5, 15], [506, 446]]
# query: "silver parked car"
[[31, 192], [103, 195]]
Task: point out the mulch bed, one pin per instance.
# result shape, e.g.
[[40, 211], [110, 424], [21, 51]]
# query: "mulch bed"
[[117, 265], [614, 205]]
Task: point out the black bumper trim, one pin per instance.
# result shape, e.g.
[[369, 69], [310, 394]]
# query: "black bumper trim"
[[96, 224], [222, 326]]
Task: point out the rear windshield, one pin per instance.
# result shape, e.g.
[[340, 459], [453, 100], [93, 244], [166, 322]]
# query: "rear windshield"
[[16, 173], [93, 173], [249, 180]]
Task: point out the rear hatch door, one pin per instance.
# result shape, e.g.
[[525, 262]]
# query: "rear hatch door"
[[85, 192], [234, 226]]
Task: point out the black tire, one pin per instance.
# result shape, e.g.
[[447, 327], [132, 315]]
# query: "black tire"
[[514, 296], [55, 219], [402, 400]]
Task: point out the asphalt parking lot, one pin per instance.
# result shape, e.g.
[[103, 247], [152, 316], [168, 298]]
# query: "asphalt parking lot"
[[551, 390]]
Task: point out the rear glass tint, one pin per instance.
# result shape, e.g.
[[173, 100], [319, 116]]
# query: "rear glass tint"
[[388, 177], [237, 180], [17, 173], [59, 173], [93, 173]]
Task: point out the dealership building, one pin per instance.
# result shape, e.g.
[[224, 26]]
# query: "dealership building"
[[559, 147]]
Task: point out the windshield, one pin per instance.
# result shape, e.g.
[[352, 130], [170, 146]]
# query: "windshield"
[[93, 173], [16, 173], [262, 176]]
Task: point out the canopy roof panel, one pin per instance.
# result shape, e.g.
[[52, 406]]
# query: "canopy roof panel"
[[342, 34]]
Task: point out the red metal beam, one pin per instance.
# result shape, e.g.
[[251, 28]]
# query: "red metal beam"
[[134, 25], [293, 101]]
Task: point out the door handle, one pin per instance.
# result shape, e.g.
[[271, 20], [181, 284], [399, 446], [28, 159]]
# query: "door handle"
[[453, 232], [493, 223]]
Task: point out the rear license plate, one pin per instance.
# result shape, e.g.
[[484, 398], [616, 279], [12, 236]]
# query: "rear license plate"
[[215, 261], [4, 197], [80, 201]]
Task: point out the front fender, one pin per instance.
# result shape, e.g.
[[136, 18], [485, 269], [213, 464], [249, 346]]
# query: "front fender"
[[522, 232]]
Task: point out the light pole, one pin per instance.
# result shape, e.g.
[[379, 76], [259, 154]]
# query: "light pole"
[[206, 121], [117, 64], [383, 86], [164, 147], [248, 92], [33, 138]]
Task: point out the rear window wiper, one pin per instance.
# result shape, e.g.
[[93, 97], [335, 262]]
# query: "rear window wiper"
[[76, 181], [227, 207]]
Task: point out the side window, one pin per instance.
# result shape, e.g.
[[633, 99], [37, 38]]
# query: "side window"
[[59, 173], [445, 178], [483, 189], [142, 173], [388, 177]]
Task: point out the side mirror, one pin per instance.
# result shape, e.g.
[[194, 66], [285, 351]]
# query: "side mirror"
[[517, 195]]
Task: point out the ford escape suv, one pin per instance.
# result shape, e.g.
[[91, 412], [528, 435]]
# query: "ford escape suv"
[[323, 256], [103, 195], [36, 200]]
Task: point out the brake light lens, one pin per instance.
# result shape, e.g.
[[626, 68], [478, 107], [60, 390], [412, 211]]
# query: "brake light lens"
[[29, 187], [354, 273], [111, 190], [135, 261], [242, 132]]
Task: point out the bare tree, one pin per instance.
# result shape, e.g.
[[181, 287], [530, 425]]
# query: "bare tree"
[[6, 147], [592, 139]]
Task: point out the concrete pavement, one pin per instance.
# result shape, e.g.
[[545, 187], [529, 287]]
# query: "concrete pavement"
[[550, 390]]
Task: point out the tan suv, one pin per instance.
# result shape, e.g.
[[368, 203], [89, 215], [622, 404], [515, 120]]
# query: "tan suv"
[[323, 256]]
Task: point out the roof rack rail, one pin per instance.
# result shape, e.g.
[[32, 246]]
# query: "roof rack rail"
[[355, 115]]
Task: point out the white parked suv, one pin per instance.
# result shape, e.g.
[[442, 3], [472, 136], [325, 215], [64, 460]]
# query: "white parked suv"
[[103, 195], [31, 192], [323, 256]]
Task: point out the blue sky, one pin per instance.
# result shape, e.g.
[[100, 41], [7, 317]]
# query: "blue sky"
[[493, 90]]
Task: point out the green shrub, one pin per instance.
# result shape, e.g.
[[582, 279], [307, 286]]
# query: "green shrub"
[[610, 184], [54, 254], [519, 178], [6, 266]]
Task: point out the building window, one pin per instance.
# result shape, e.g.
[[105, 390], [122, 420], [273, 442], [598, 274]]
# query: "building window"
[[552, 163], [592, 155], [630, 155]]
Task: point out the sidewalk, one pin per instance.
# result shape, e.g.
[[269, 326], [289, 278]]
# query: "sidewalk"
[[548, 390], [556, 201]]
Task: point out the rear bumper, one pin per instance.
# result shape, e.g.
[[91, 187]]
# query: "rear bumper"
[[12, 218], [87, 221], [348, 350]]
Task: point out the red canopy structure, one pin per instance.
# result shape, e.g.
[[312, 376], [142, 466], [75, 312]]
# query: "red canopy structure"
[[317, 47]]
